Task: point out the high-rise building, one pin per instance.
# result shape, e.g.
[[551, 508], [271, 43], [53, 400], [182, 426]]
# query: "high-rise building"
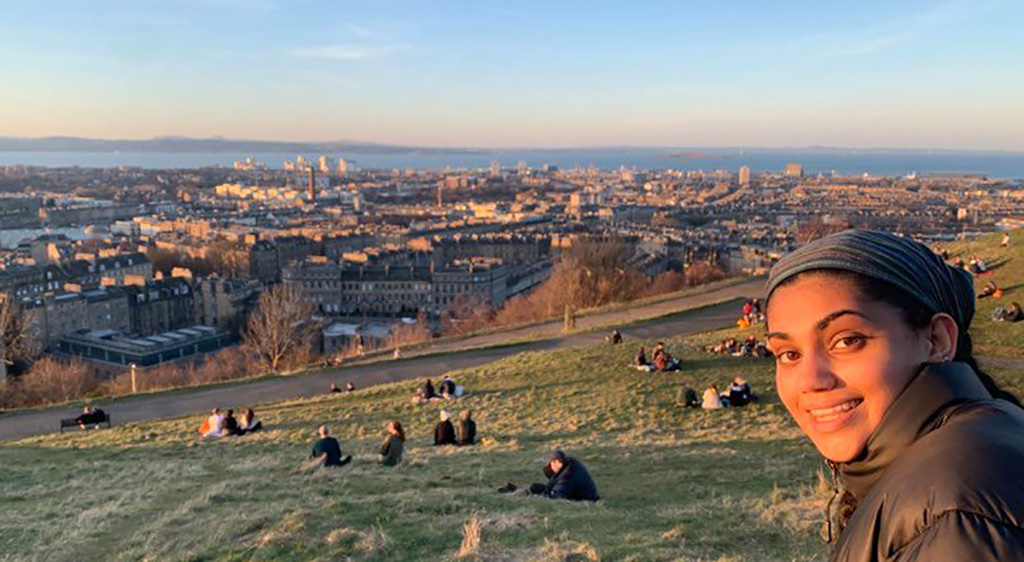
[[312, 184], [495, 169], [744, 176], [342, 167], [794, 170], [521, 168], [325, 165]]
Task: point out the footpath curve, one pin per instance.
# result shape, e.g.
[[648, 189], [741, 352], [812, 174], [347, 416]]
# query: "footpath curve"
[[668, 318]]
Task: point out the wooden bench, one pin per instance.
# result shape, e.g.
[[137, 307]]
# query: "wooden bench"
[[73, 422]]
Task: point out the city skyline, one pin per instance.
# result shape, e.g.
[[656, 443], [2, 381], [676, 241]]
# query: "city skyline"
[[941, 75]]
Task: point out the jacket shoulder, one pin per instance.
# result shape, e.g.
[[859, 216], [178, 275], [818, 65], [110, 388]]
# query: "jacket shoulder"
[[969, 465]]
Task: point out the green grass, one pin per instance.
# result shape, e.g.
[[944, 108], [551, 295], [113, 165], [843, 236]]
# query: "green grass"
[[997, 339], [677, 484]]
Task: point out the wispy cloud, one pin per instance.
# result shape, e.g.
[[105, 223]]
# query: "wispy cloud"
[[349, 52], [895, 33], [362, 31]]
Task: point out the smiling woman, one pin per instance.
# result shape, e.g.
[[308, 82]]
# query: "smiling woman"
[[874, 363]]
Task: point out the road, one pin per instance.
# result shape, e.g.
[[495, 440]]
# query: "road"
[[456, 355]]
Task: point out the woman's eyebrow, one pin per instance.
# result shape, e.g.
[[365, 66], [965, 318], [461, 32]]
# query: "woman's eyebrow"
[[824, 322], [821, 325]]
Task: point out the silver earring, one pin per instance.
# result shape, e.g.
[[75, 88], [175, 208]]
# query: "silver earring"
[[945, 359]]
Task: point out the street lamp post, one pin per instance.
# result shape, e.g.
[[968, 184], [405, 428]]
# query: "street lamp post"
[[135, 387]]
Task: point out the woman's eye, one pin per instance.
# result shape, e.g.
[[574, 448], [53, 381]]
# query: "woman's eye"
[[786, 357], [849, 342]]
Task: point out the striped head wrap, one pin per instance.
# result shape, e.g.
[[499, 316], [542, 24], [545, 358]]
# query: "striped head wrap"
[[908, 265]]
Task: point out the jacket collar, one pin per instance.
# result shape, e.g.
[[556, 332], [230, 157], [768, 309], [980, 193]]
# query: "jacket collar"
[[910, 417]]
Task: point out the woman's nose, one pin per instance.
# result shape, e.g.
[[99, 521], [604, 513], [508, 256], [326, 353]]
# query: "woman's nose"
[[815, 373]]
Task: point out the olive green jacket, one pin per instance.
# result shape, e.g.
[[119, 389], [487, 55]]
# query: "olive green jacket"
[[941, 478]]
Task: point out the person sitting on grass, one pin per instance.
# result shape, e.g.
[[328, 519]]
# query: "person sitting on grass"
[[664, 362], [467, 428], [444, 433], [640, 361], [568, 479], [213, 426], [426, 392], [712, 400], [350, 387], [328, 450], [334, 388], [249, 423], [740, 393], [447, 387], [615, 337], [687, 398], [394, 444], [91, 416], [1012, 313], [229, 425]]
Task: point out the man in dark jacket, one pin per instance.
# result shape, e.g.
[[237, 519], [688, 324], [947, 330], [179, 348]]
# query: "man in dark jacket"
[[328, 449], [569, 480]]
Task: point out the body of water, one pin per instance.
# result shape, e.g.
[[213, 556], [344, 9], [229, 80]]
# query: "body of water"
[[852, 162]]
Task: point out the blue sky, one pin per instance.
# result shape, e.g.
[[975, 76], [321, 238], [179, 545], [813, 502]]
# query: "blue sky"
[[947, 74]]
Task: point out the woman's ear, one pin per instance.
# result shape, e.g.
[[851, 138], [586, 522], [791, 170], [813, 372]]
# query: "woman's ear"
[[943, 334]]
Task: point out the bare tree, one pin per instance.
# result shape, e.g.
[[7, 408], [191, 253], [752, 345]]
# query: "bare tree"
[[280, 326], [16, 341]]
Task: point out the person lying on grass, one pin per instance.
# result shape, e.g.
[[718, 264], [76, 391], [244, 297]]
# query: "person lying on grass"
[[327, 450], [568, 479]]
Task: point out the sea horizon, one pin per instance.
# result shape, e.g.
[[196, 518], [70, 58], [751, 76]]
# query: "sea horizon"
[[815, 160]]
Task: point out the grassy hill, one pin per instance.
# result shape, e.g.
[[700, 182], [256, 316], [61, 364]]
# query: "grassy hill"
[[996, 339], [677, 484]]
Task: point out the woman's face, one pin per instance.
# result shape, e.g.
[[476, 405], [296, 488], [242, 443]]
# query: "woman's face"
[[840, 360]]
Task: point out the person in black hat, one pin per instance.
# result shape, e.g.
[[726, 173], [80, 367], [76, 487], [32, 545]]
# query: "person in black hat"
[[568, 479]]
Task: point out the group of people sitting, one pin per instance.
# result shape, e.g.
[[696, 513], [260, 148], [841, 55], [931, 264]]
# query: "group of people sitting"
[[975, 265], [738, 395], [91, 417], [349, 387], [752, 314], [661, 360], [327, 450], [445, 434], [226, 425], [567, 477], [750, 347], [448, 390]]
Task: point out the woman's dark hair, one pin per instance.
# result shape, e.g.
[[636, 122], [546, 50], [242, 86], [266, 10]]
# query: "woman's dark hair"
[[918, 316], [399, 430]]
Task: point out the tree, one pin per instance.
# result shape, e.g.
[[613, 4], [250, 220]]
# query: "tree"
[[16, 342], [53, 382], [281, 326]]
